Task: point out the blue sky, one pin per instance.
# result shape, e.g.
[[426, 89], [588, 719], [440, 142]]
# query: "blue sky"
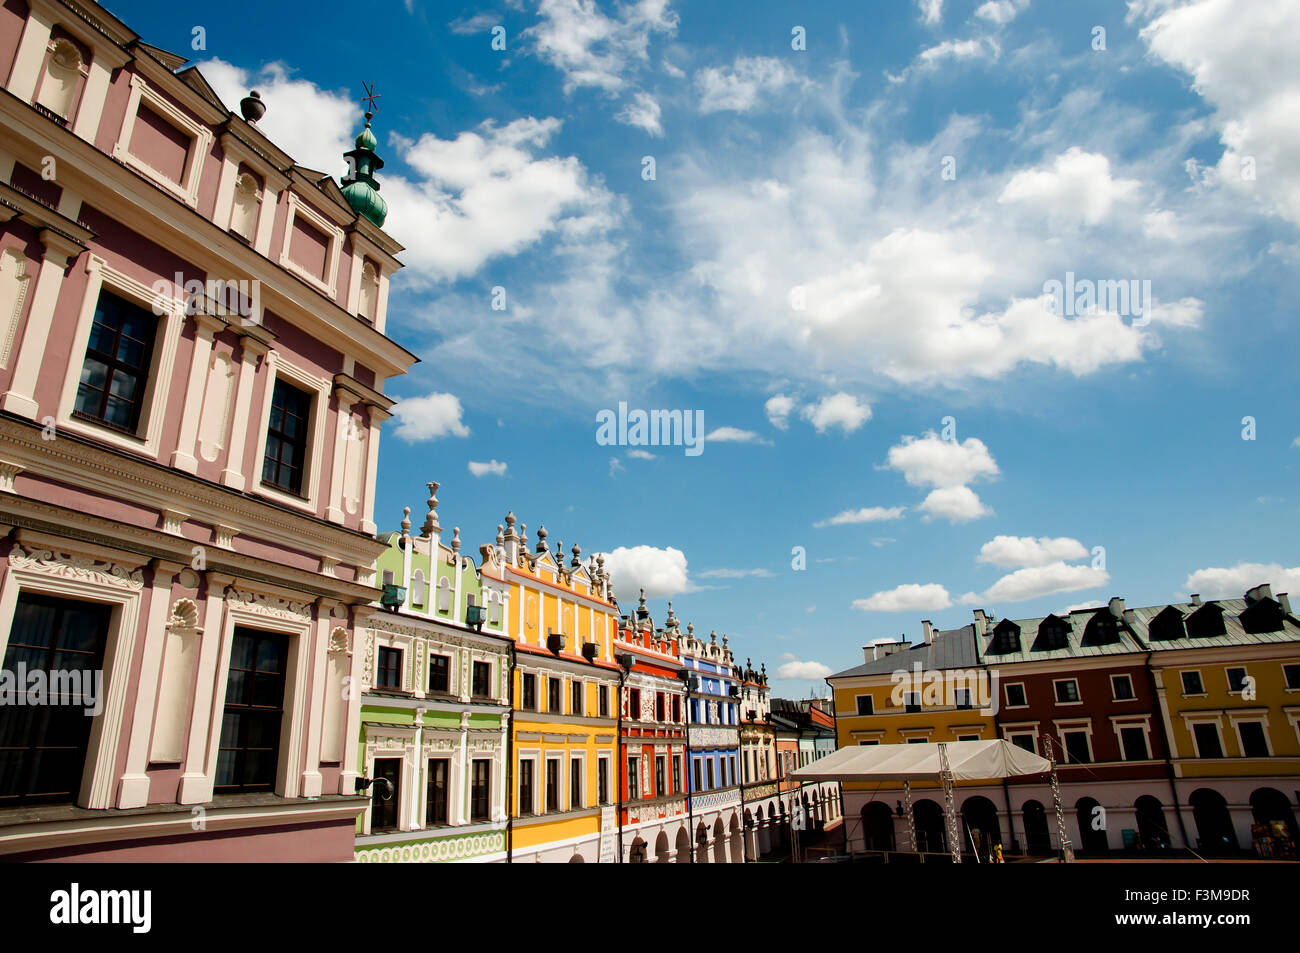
[[841, 246]]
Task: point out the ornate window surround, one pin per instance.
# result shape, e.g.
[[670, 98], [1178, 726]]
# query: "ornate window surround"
[[186, 190], [57, 567], [296, 207], [100, 276], [314, 458]]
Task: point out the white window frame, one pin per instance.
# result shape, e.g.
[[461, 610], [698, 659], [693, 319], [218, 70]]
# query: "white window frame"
[[314, 456], [1258, 716], [603, 797], [333, 234], [1061, 727], [1132, 688], [100, 276], [1192, 719], [453, 664], [200, 141], [1056, 695], [1182, 684], [539, 780], [1022, 728], [581, 758], [557, 756], [1245, 674], [1023, 691], [857, 707], [1120, 722]]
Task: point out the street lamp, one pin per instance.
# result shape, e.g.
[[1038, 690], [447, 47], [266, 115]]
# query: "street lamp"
[[625, 663]]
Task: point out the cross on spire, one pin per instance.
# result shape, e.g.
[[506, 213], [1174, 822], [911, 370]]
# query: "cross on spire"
[[369, 98]]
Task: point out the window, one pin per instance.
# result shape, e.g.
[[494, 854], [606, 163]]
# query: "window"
[[1133, 741], [480, 789], [482, 680], [1121, 688], [602, 779], [250, 728], [1192, 684], [575, 698], [1291, 674], [695, 771], [525, 787], [602, 695], [1016, 695], [440, 673], [634, 704], [1076, 747], [677, 699], [115, 374], [660, 706], [866, 705], [44, 755], [677, 776], [384, 798], [962, 697], [1236, 680], [867, 744], [552, 784], [916, 741], [575, 784], [912, 701], [660, 773], [1025, 741], [709, 772], [418, 588], [633, 788], [389, 670], [1067, 691], [530, 692], [1254, 744], [1206, 734], [968, 737], [435, 811], [553, 695], [286, 438], [732, 759]]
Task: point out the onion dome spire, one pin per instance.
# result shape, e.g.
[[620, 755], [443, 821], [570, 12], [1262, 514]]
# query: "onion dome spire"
[[360, 186]]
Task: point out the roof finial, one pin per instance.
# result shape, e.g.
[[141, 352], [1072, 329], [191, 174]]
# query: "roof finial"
[[406, 523], [455, 540], [431, 521], [541, 539], [500, 537], [576, 562]]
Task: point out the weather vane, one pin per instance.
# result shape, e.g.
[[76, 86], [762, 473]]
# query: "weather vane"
[[370, 97]]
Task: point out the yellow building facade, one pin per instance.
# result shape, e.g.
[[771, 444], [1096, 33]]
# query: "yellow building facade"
[[563, 758]]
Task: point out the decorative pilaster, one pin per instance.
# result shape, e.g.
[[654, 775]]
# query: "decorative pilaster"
[[376, 416], [205, 329], [252, 352], [342, 433]]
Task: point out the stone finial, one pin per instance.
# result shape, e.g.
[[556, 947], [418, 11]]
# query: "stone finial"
[[406, 523], [576, 562], [724, 640], [690, 629], [713, 638], [431, 521], [510, 523], [523, 535], [672, 619], [541, 539], [559, 553], [455, 540], [500, 540]]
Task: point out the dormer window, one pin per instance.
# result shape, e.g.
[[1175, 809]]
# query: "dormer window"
[[1167, 626], [1006, 639], [1206, 622], [1053, 634], [1102, 629]]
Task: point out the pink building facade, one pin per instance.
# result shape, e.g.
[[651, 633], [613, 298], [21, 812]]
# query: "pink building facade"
[[192, 367]]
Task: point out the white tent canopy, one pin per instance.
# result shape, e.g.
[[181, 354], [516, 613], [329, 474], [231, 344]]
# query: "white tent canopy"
[[968, 761]]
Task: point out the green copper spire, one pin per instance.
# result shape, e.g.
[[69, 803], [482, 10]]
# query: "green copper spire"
[[359, 184]]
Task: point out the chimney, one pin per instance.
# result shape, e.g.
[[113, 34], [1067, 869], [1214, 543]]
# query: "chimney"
[[929, 631], [1196, 598], [1286, 602], [981, 623], [1260, 592], [1117, 607]]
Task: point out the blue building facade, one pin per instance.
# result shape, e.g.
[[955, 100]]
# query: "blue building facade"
[[713, 741]]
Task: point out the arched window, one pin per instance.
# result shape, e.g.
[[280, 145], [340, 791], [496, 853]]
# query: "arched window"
[[244, 209], [64, 67], [444, 594], [1102, 629], [494, 608], [417, 588], [369, 300]]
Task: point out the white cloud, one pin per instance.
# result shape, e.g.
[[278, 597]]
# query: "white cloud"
[[493, 468], [909, 597], [733, 435], [1008, 551], [735, 573], [615, 466], [429, 417], [1077, 187], [803, 670], [931, 461], [951, 50], [956, 504], [867, 514], [1035, 581], [838, 410], [931, 10], [1296, 442], [314, 126], [1232, 582], [883, 541], [1077, 606], [640, 454], [643, 112], [592, 49], [486, 194], [479, 23], [779, 408], [751, 81], [661, 572], [1000, 11], [1241, 59]]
